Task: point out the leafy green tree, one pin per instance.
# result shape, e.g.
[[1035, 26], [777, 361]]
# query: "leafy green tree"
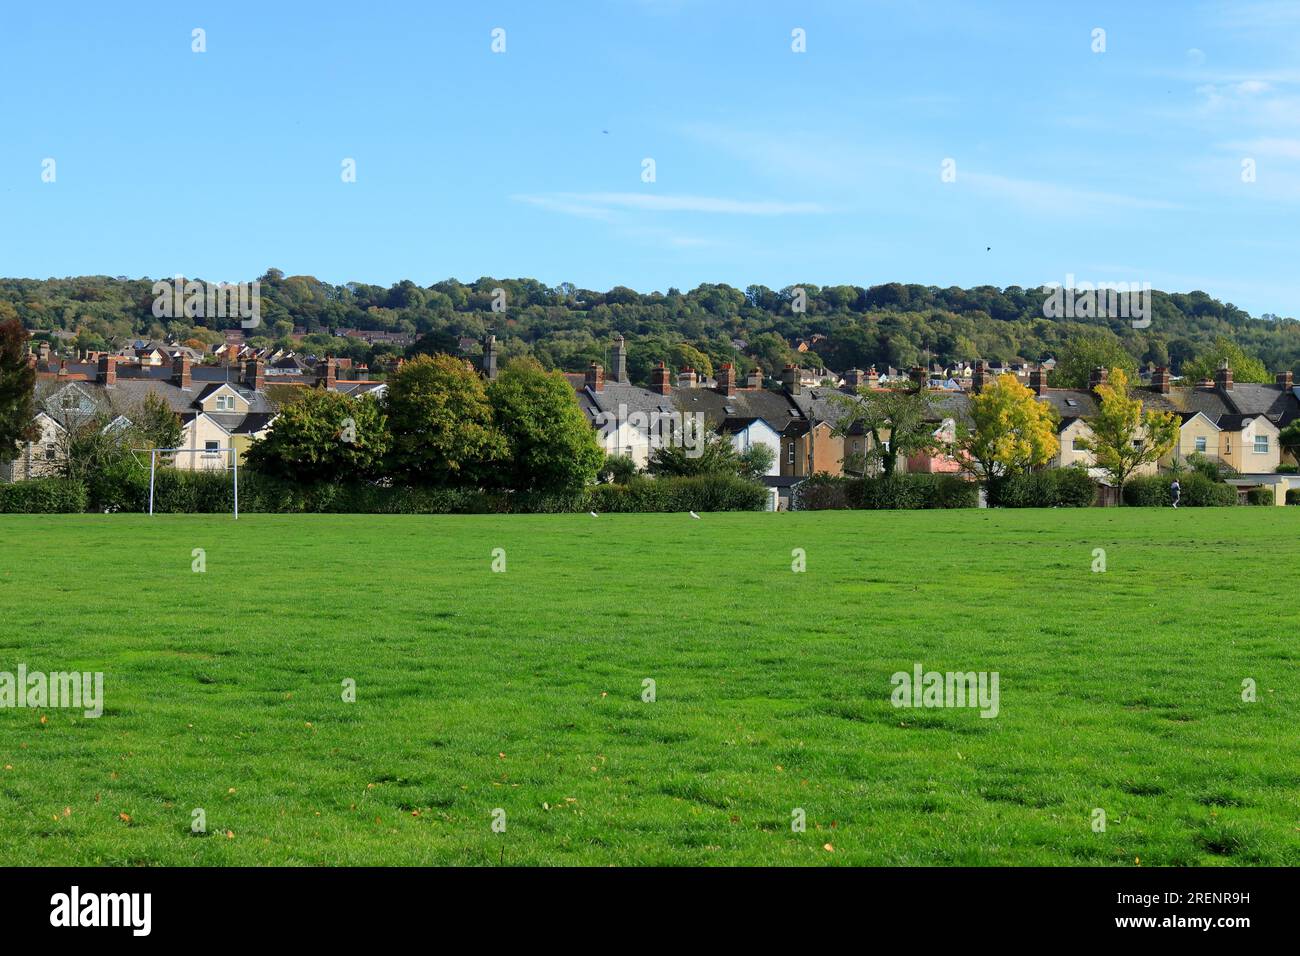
[[899, 423], [619, 469], [17, 383], [1289, 439], [323, 436], [155, 424], [1086, 351], [550, 445], [1124, 437], [1245, 368], [441, 423], [715, 455], [1013, 432]]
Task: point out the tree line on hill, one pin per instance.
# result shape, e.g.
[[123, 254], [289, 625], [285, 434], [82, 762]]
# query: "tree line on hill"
[[566, 327]]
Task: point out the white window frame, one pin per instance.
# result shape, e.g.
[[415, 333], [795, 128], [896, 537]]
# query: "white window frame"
[[1201, 444], [1261, 440]]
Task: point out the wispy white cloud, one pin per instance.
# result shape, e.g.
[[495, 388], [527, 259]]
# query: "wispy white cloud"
[[603, 205], [1271, 147], [1056, 198]]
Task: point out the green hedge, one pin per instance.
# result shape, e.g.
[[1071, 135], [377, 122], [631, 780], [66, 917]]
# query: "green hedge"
[[1051, 488], [43, 496], [898, 492], [1152, 491], [1260, 496], [1293, 496], [211, 492], [697, 493]]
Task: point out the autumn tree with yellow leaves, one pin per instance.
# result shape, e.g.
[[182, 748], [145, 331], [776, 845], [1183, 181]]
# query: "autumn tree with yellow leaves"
[[1124, 436], [1013, 432]]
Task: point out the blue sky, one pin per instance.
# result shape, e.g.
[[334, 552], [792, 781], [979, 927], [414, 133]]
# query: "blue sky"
[[771, 166]]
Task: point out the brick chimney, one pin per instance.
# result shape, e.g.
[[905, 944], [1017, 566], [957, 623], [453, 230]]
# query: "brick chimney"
[[1099, 376], [854, 378], [755, 378], [595, 377], [873, 377], [1160, 379], [181, 370], [1038, 379], [659, 379], [981, 376], [107, 374], [1285, 380], [255, 375], [727, 379], [790, 379], [917, 375], [618, 368], [327, 372], [1223, 376], [686, 378]]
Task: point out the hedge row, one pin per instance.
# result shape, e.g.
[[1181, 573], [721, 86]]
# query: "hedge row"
[[1152, 491], [1052, 488], [199, 492], [43, 496], [898, 492]]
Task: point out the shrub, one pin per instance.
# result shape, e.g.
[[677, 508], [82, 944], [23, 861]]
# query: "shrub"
[[1260, 496], [1152, 491], [1287, 468], [1293, 496], [694, 493], [897, 492], [1050, 488], [823, 492], [43, 496]]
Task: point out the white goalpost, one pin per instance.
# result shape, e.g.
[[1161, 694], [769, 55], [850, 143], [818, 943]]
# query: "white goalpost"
[[233, 467]]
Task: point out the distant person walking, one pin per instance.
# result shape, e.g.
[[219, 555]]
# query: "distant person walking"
[[1175, 492]]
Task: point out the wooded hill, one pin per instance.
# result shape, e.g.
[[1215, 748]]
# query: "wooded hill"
[[567, 327]]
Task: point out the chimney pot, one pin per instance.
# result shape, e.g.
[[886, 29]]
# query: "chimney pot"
[[181, 377], [1285, 380], [727, 379], [1223, 376], [595, 378], [659, 380], [1160, 380]]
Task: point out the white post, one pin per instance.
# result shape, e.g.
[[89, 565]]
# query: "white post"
[[153, 455], [234, 454]]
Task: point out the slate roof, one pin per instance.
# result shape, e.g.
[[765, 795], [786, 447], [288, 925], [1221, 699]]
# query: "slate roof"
[[775, 408]]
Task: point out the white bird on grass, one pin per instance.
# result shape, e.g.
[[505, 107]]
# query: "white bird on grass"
[[695, 516], [594, 515]]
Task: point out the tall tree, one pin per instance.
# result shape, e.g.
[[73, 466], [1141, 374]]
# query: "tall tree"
[[550, 445], [1086, 351], [898, 422], [441, 423], [323, 436], [17, 386], [1124, 437], [1245, 368], [1013, 432]]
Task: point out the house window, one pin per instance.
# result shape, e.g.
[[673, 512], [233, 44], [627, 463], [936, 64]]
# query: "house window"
[[210, 449], [49, 453], [790, 457], [1200, 444], [1137, 442], [1077, 445], [1227, 444], [1261, 444]]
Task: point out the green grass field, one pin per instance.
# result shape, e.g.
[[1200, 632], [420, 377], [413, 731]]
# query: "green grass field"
[[523, 690]]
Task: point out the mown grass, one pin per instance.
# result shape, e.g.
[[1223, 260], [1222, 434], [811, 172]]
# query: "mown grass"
[[523, 691]]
